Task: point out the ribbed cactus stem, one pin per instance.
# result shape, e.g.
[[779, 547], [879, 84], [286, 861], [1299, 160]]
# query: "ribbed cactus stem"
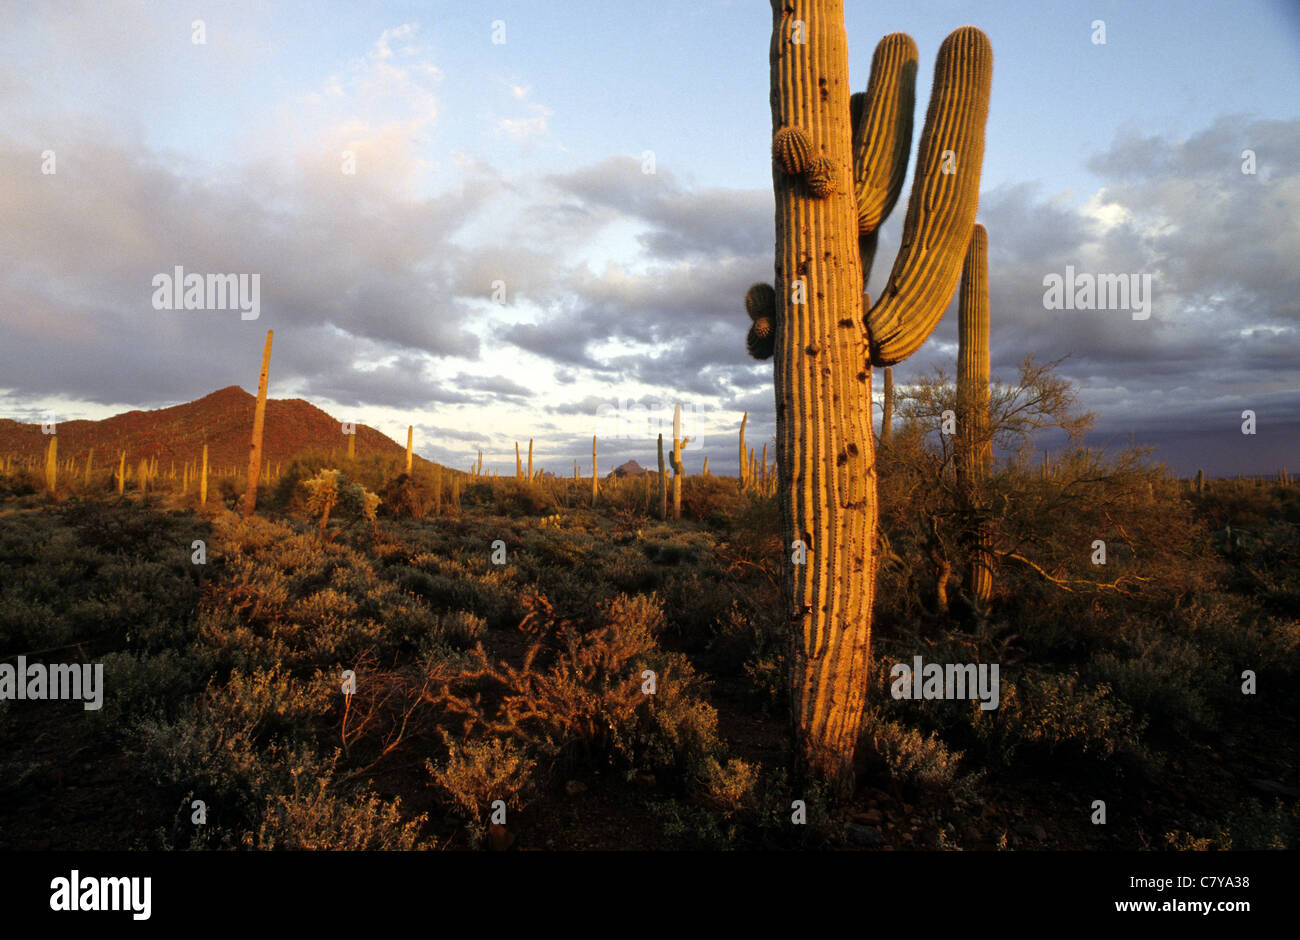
[[743, 457], [974, 446], [881, 121], [822, 355], [259, 421], [410, 443], [203, 478], [52, 464], [663, 482], [678, 471], [945, 196], [887, 409]]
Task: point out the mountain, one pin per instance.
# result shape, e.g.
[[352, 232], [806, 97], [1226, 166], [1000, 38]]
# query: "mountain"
[[223, 420], [629, 469]]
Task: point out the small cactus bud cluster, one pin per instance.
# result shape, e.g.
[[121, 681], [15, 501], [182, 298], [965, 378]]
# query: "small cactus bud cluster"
[[760, 304], [792, 150]]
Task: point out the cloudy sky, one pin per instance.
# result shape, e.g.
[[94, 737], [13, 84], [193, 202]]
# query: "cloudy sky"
[[499, 264]]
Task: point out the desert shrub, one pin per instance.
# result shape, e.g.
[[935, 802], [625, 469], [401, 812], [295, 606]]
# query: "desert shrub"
[[1250, 826], [463, 627], [1057, 715], [909, 756], [319, 818], [409, 497], [1162, 680], [712, 500], [477, 772]]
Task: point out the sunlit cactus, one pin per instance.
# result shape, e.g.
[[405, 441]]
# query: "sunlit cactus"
[[826, 336], [974, 456], [259, 420]]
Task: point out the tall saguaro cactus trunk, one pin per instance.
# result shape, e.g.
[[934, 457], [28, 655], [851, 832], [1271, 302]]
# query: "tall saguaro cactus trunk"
[[838, 167], [259, 419], [974, 448], [410, 441]]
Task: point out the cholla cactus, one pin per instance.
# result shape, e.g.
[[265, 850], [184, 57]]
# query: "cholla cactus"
[[827, 336], [322, 495]]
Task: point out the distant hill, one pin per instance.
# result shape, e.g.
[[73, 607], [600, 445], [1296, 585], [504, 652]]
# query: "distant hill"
[[224, 420], [629, 469]]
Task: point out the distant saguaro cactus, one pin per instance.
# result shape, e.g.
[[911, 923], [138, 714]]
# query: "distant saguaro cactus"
[[90, 457], [825, 336], [593, 470], [678, 443], [121, 474], [744, 464], [203, 478], [530, 460], [52, 464], [974, 448], [663, 482], [410, 441], [259, 420], [1200, 482]]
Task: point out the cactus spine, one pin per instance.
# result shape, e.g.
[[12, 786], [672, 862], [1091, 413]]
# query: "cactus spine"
[[974, 448], [259, 421], [678, 443], [825, 240]]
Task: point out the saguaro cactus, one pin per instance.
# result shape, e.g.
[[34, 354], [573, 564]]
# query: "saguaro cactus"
[[203, 478], [259, 419], [974, 447], [744, 459], [530, 460], [678, 443], [410, 441], [90, 458], [825, 336], [593, 470], [663, 482], [887, 408], [121, 474], [52, 464]]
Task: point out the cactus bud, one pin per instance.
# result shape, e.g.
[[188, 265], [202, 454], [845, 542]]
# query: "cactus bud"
[[791, 148]]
